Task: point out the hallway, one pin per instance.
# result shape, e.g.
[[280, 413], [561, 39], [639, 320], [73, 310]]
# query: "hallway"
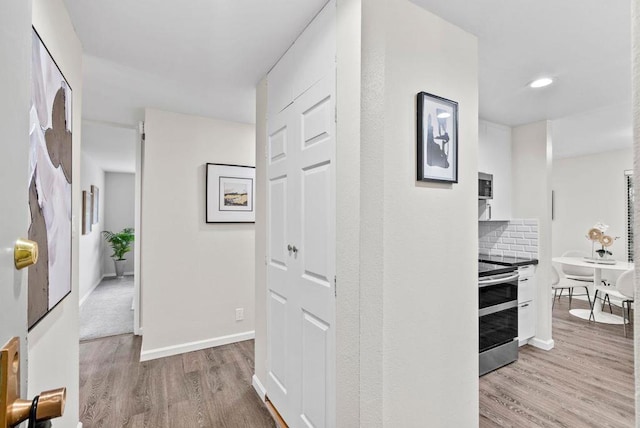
[[108, 309], [208, 388]]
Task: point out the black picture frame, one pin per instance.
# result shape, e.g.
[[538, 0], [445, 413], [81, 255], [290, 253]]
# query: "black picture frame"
[[437, 156], [236, 207]]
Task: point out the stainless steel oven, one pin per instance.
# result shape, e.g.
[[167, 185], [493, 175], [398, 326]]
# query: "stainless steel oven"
[[498, 318]]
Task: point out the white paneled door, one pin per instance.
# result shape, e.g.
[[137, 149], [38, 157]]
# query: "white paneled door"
[[301, 258], [15, 48]]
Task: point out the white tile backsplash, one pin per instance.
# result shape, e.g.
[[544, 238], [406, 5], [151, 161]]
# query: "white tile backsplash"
[[513, 238]]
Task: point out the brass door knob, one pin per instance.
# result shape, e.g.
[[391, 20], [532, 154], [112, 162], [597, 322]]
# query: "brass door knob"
[[51, 404], [13, 409], [25, 253]]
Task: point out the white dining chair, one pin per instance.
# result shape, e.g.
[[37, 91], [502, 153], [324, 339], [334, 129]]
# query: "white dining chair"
[[577, 273], [623, 290], [560, 284]]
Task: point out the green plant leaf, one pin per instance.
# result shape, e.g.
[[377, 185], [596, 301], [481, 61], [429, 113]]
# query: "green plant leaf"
[[119, 241]]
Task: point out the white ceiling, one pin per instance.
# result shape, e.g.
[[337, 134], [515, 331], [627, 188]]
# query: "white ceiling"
[[112, 147], [204, 57], [201, 57], [585, 45]]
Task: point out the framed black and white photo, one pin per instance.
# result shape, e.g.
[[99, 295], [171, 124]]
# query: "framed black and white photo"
[[230, 194], [437, 139]]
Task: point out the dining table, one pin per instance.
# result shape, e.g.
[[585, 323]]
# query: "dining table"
[[598, 315]]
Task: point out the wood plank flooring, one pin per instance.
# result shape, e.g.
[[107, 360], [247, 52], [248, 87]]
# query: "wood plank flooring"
[[209, 388], [587, 380]]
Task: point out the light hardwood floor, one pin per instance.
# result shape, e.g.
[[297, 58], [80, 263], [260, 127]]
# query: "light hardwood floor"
[[585, 381], [209, 388]]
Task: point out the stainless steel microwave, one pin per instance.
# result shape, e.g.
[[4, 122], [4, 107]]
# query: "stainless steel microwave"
[[485, 186]]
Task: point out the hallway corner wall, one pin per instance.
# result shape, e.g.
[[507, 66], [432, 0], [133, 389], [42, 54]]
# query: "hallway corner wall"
[[416, 237], [261, 234], [195, 274]]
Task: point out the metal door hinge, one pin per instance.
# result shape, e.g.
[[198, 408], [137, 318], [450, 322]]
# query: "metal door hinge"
[[335, 286]]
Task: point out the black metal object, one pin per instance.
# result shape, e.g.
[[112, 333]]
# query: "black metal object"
[[33, 419]]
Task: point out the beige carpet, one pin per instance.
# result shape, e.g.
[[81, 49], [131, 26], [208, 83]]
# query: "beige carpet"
[[107, 310]]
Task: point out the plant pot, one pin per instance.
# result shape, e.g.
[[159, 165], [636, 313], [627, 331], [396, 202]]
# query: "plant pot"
[[119, 267]]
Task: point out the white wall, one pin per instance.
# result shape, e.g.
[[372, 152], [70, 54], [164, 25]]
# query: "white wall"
[[119, 212], [90, 257], [494, 157], [589, 189], [349, 26], [53, 343], [417, 237], [194, 274], [531, 153]]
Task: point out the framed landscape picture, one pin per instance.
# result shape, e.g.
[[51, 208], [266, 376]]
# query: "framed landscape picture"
[[230, 194], [437, 139]]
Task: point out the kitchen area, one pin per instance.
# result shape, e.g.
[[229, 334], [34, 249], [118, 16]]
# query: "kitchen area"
[[508, 253], [534, 209]]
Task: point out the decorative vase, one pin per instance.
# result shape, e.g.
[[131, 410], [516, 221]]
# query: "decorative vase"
[[119, 267]]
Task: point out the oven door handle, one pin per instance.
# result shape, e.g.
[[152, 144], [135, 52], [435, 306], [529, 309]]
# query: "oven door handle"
[[497, 308], [497, 280]]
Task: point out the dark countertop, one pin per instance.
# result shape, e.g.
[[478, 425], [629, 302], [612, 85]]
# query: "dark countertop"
[[506, 261], [488, 269]]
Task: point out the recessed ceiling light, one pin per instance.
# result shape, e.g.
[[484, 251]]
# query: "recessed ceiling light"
[[541, 83]]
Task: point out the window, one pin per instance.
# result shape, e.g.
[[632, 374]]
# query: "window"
[[628, 175]]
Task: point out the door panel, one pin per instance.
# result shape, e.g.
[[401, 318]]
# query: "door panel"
[[316, 202], [315, 334], [316, 123], [301, 214], [301, 229], [15, 51], [317, 251], [278, 223], [281, 301], [278, 343]]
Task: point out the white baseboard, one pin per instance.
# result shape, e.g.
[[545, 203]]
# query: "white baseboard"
[[545, 345], [257, 385], [152, 354], [138, 331], [113, 275], [79, 424], [93, 287]]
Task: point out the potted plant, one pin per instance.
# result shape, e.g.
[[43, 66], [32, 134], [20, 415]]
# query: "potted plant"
[[121, 245]]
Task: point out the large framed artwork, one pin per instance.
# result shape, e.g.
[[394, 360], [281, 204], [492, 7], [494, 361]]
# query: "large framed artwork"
[[437, 139], [49, 183], [230, 193]]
